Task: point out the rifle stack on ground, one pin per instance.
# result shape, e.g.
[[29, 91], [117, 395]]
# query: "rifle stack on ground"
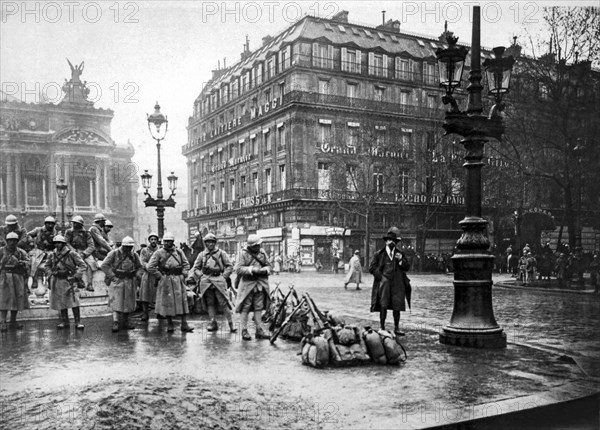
[[328, 340]]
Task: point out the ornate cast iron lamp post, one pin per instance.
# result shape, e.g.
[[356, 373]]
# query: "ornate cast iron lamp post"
[[62, 190], [158, 132], [472, 323]]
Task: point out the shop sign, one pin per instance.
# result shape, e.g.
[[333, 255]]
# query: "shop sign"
[[255, 200], [240, 230], [256, 112], [230, 163]]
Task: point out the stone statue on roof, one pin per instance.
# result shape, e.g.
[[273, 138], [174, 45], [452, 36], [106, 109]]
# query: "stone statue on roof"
[[75, 71]]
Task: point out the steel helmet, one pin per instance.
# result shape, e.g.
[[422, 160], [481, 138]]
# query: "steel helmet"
[[12, 235], [99, 217], [49, 219], [210, 237], [127, 241], [253, 239], [11, 220], [77, 219], [152, 235], [108, 223], [168, 236], [59, 238]]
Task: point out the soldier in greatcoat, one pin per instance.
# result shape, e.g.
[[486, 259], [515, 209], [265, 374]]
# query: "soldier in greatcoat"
[[101, 241], [14, 270], [11, 225], [388, 267], [149, 282], [212, 268], [253, 267], [80, 240], [63, 269], [171, 267], [120, 268], [43, 246]]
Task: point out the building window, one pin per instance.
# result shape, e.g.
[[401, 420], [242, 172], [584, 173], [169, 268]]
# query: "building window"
[[431, 101], [404, 97], [353, 133], [222, 191], [378, 64], [403, 181], [268, 180], [196, 198], [323, 86], [244, 83], [351, 178], [322, 56], [405, 142], [378, 186], [244, 189], [351, 59], [379, 94], [351, 90], [232, 189], [242, 148], [204, 197], [255, 182], [284, 58], [213, 194], [231, 150], [323, 178], [281, 137], [254, 142], [429, 74], [270, 67], [325, 133], [267, 143], [282, 178], [402, 69]]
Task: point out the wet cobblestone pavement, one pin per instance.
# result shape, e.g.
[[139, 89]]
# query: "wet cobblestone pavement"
[[147, 378]]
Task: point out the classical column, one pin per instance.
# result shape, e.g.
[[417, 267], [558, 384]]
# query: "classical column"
[[10, 181], [73, 194], [44, 200], [97, 179], [25, 191], [66, 173], [105, 185], [91, 193], [18, 179], [2, 203]]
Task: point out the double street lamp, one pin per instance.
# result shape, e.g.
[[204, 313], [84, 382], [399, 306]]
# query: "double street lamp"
[[156, 121], [62, 190], [472, 323]]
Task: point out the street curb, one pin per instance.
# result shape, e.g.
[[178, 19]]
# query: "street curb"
[[510, 284]]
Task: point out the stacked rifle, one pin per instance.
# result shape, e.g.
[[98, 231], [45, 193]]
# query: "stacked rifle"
[[327, 340]]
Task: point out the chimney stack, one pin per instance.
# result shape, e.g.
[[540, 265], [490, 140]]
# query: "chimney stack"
[[383, 17]]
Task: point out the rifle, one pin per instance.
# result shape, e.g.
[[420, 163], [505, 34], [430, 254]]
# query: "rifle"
[[275, 335], [280, 309], [318, 317]]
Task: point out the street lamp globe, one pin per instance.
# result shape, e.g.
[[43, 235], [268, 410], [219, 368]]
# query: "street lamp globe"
[[451, 62], [172, 182], [146, 180], [498, 71], [155, 123], [62, 189]]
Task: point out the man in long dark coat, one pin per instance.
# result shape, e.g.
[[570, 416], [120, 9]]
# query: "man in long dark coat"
[[389, 266]]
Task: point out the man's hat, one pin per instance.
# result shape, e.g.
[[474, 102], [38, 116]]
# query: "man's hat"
[[253, 239], [127, 241], [357, 252], [99, 217], [393, 234], [12, 235], [77, 219], [108, 223], [10, 220], [210, 237], [152, 234], [168, 236], [50, 220], [59, 238]]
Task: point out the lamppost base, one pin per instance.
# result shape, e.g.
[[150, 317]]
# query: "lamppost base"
[[495, 339]]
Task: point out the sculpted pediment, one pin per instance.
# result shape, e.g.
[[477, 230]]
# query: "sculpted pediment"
[[80, 136]]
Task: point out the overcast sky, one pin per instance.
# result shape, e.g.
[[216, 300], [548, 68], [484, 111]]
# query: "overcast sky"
[[140, 52]]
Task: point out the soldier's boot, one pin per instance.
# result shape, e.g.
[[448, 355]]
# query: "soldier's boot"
[[3, 325], [64, 319], [128, 325], [232, 328], [185, 327], [170, 326], [77, 317], [116, 322], [246, 335], [213, 326], [145, 315], [13, 321]]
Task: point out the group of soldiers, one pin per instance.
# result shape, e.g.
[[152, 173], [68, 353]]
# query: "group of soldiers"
[[67, 261], [159, 275]]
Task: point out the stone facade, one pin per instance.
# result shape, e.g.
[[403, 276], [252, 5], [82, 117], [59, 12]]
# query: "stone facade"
[[41, 143]]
